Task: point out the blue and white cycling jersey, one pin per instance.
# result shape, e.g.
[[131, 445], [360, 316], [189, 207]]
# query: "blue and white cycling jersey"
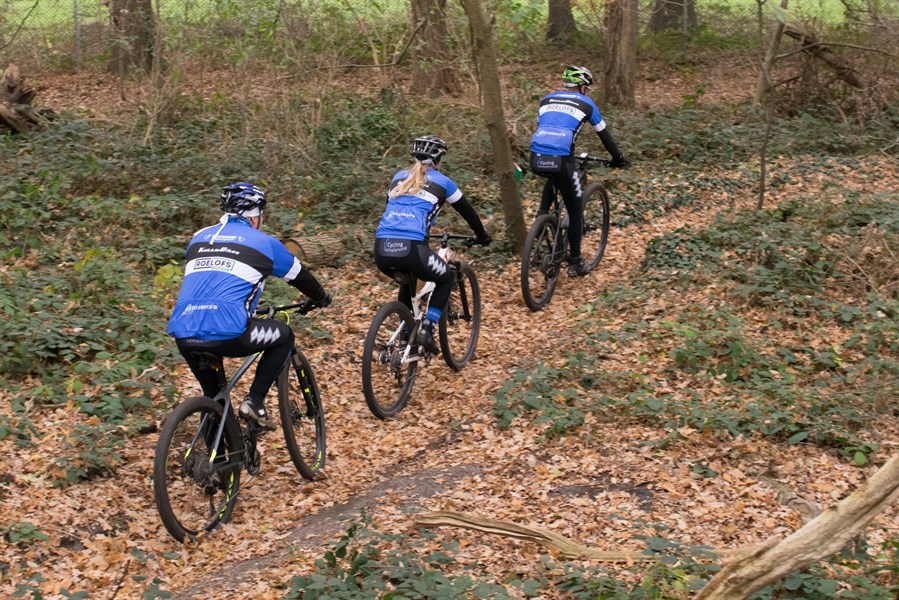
[[411, 217], [559, 120], [224, 278]]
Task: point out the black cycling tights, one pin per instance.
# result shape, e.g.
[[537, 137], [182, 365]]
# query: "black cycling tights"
[[418, 258], [568, 182], [274, 338]]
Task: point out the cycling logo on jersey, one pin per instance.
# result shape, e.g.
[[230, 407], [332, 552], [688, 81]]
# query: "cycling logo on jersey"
[[214, 263], [436, 265], [391, 247], [264, 335]]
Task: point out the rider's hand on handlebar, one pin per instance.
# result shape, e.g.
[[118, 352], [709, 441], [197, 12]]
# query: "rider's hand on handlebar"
[[324, 301], [620, 162], [483, 240]]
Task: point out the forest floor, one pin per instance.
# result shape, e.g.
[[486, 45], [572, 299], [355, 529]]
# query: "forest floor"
[[443, 452]]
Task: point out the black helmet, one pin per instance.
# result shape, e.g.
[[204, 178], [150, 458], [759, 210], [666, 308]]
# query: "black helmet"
[[575, 76], [242, 197], [428, 148]]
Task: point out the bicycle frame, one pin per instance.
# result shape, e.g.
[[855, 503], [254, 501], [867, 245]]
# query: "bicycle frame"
[[224, 395], [419, 303], [224, 398], [560, 241]]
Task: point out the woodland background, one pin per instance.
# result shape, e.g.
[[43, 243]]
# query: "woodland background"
[[735, 356]]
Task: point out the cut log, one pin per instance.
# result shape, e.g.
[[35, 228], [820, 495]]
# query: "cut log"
[[16, 114], [327, 249]]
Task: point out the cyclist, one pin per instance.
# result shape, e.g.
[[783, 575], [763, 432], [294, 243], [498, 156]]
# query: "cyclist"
[[223, 280], [415, 198], [560, 117]]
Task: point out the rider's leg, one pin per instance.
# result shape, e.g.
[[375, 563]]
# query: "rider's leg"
[[549, 194], [207, 378], [570, 187]]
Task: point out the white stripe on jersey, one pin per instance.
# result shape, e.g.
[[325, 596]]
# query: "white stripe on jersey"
[[600, 126], [223, 265], [452, 199], [568, 109], [426, 195], [294, 270]]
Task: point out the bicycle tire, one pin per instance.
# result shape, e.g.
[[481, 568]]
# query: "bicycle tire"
[[460, 322], [386, 382], [302, 416], [193, 496], [541, 262], [597, 215]]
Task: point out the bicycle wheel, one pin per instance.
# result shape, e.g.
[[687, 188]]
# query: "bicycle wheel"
[[302, 416], [460, 322], [386, 381], [596, 224], [541, 262], [195, 487]]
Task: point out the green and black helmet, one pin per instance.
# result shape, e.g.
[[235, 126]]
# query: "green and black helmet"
[[576, 76]]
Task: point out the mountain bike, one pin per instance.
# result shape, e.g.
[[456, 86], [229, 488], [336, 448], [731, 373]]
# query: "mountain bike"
[[391, 355], [203, 446], [546, 245]]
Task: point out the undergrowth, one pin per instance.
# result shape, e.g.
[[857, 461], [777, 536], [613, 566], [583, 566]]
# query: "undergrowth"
[[365, 562], [794, 336]]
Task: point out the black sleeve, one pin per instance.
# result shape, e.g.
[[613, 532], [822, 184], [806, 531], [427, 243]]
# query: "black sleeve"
[[309, 285], [471, 217], [609, 142]]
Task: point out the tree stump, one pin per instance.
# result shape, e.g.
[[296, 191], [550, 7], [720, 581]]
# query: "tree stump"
[[16, 113]]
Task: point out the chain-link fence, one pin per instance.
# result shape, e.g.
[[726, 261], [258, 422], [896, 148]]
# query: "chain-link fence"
[[79, 33]]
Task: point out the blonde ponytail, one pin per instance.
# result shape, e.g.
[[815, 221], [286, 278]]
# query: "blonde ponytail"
[[411, 185]]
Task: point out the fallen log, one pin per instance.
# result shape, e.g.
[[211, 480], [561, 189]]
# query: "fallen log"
[[327, 249], [812, 45], [745, 570], [16, 114]]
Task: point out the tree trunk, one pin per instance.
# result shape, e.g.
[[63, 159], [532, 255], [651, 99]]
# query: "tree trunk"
[[560, 25], [484, 51], [16, 114], [673, 14], [134, 36], [621, 53], [431, 72]]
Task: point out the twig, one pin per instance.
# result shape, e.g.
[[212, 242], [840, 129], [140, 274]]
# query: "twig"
[[21, 25], [118, 586], [396, 62]]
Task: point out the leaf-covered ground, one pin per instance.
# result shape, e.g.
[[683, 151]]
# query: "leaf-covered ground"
[[602, 485]]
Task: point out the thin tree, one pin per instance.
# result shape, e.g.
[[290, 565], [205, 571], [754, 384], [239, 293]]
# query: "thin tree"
[[430, 69], [484, 54], [621, 53], [765, 93], [560, 25]]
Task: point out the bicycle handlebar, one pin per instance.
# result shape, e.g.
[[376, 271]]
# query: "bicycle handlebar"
[[468, 240], [584, 157], [301, 308]]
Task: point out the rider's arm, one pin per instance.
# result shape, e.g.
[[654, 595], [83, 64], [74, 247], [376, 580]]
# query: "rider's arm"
[[471, 217], [288, 267], [306, 282], [618, 159]]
